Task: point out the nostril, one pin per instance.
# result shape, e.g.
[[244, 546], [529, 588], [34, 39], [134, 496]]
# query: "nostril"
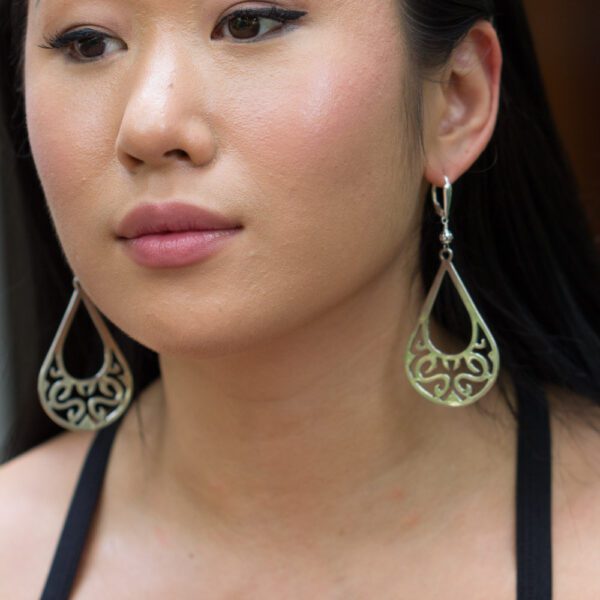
[[130, 161], [178, 153]]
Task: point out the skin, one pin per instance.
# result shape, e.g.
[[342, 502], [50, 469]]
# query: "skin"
[[282, 452]]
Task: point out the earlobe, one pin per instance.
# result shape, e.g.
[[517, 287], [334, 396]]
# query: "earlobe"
[[467, 105]]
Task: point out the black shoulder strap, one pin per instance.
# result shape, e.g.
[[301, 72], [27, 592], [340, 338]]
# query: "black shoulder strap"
[[81, 511], [534, 496]]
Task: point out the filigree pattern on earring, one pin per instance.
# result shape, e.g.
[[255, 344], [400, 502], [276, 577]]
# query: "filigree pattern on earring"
[[84, 404], [451, 379]]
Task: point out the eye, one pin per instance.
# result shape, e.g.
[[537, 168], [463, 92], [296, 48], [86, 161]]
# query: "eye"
[[246, 23], [84, 45]]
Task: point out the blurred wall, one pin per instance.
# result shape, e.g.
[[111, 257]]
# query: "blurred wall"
[[6, 371], [6, 367], [567, 38]]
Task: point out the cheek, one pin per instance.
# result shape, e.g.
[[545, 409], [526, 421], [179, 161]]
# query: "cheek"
[[328, 146], [72, 150], [336, 114]]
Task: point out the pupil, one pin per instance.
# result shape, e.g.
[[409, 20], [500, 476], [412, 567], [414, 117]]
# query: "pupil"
[[239, 22], [92, 48]]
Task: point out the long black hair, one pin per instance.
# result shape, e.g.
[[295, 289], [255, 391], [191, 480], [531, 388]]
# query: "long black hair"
[[523, 247]]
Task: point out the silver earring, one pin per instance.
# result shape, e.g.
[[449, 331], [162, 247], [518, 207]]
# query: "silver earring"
[[451, 379], [84, 404]]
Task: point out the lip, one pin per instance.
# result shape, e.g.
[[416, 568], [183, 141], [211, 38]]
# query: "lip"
[[168, 217], [173, 234]]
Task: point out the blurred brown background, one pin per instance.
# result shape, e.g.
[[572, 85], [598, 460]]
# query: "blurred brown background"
[[567, 38]]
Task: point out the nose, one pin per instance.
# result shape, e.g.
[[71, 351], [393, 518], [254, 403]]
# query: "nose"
[[162, 120]]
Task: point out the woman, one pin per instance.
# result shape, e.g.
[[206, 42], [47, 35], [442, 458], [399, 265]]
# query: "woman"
[[307, 430]]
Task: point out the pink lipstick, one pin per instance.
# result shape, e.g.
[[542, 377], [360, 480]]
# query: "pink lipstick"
[[174, 234]]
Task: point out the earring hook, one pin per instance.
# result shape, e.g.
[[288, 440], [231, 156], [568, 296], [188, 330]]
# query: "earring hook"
[[447, 189]]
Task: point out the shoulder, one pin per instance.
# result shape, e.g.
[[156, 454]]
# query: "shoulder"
[[576, 494], [35, 491]]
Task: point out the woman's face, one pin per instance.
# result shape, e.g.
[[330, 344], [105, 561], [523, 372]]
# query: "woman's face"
[[298, 133]]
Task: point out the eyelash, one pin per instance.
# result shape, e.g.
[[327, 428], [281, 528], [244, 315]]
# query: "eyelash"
[[67, 40]]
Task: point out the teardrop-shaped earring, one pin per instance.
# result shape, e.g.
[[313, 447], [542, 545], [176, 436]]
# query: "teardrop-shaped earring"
[[84, 404], [451, 379]]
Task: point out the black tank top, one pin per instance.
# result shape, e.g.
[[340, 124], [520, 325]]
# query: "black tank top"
[[533, 504]]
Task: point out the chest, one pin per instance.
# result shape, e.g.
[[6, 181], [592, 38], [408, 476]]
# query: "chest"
[[473, 558]]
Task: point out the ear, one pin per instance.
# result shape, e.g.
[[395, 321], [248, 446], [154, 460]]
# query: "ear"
[[461, 108]]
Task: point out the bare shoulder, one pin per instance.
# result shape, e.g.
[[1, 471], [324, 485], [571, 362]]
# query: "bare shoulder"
[[576, 495], [35, 491]]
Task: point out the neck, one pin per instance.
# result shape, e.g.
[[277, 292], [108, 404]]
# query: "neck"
[[297, 433]]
